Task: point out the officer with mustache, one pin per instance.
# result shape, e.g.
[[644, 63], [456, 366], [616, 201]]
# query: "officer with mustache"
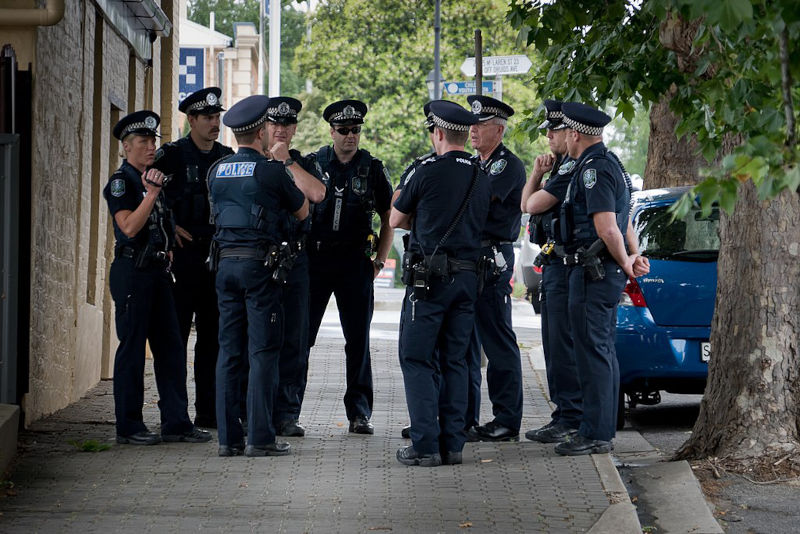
[[186, 161]]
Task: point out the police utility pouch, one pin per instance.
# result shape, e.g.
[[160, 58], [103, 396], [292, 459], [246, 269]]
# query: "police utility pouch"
[[212, 262], [421, 281]]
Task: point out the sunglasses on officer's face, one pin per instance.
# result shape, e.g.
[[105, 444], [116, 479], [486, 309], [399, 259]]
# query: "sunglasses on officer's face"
[[346, 131]]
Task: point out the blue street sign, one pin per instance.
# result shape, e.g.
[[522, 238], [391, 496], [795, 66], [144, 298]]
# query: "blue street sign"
[[191, 72], [468, 88]]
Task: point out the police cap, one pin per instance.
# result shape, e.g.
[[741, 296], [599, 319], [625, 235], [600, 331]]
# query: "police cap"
[[554, 117], [202, 102], [144, 122], [486, 107], [450, 116], [345, 112], [247, 114], [283, 109], [584, 119]]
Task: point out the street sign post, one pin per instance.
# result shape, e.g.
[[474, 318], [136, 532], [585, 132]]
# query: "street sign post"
[[498, 65], [468, 87]]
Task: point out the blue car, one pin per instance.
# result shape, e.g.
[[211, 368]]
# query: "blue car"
[[664, 317]]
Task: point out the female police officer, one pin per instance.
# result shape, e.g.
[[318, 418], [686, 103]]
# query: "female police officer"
[[140, 287]]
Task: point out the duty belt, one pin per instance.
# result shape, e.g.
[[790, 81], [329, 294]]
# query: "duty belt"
[[493, 243], [244, 253], [323, 246], [576, 258], [125, 252], [461, 265]]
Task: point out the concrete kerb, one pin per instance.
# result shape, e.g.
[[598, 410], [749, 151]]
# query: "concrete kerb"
[[9, 424]]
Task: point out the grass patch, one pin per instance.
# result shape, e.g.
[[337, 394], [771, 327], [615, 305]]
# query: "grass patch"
[[89, 445]]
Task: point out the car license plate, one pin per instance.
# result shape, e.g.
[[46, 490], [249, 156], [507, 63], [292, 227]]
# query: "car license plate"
[[705, 351]]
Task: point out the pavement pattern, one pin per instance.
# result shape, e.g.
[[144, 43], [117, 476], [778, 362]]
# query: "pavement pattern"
[[332, 482]]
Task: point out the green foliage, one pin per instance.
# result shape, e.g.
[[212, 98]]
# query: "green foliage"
[[729, 90], [226, 12], [381, 51], [629, 138], [89, 445]]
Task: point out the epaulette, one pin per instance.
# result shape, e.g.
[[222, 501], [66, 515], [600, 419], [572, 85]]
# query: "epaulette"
[[430, 160]]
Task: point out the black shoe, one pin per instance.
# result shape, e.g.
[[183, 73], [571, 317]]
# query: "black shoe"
[[580, 445], [145, 437], [406, 432], [273, 449], [451, 458], [472, 435], [195, 435], [231, 450], [361, 425], [291, 428], [494, 431], [552, 433], [205, 421], [409, 456]]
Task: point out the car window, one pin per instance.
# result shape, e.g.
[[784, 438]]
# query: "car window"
[[693, 238]]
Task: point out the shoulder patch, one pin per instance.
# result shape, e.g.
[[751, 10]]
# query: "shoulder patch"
[[236, 170], [567, 167], [159, 154], [386, 174], [589, 178], [464, 161], [117, 187], [409, 175], [498, 166]]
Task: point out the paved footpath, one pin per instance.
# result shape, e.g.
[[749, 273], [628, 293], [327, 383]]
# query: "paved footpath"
[[332, 482]]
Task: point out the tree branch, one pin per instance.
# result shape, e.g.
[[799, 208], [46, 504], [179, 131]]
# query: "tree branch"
[[786, 86]]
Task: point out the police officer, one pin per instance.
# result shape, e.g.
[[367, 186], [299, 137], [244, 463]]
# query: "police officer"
[[293, 362], [249, 198], [594, 220], [543, 200], [493, 328], [445, 206], [187, 161], [342, 248], [141, 289]]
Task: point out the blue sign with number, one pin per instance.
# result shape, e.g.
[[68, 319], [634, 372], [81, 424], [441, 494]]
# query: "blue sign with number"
[[191, 72]]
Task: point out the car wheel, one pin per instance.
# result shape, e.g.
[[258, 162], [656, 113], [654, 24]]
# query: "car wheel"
[[621, 411]]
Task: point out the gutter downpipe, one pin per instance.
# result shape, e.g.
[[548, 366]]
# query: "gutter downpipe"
[[50, 15]]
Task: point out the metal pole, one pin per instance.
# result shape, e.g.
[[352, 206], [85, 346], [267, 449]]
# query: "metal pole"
[[260, 47], [437, 31], [498, 87], [274, 47], [478, 63]]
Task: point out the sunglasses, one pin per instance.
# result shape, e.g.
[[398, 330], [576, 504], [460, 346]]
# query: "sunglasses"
[[346, 131]]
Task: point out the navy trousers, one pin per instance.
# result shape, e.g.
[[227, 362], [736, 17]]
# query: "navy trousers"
[[348, 275], [593, 319], [496, 334], [196, 297], [293, 361], [249, 305], [559, 354], [434, 335], [145, 311]]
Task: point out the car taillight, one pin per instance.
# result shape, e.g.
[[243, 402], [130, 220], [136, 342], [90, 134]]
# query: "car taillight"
[[632, 295]]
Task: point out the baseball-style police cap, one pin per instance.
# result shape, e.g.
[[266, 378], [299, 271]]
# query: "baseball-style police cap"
[[144, 122], [486, 107], [584, 119], [202, 102], [450, 116], [554, 117], [283, 109], [345, 112], [247, 114]]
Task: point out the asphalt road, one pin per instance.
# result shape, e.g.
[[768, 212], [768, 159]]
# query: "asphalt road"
[[741, 507]]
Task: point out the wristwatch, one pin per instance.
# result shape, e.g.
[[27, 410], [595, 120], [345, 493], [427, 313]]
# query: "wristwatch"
[[289, 162], [379, 264]]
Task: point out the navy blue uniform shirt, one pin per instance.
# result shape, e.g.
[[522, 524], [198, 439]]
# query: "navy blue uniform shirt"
[[243, 193], [187, 192], [434, 196], [597, 185], [125, 191], [507, 174], [297, 229]]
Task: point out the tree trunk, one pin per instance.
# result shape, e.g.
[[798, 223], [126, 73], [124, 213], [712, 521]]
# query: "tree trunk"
[[751, 406], [670, 162]]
